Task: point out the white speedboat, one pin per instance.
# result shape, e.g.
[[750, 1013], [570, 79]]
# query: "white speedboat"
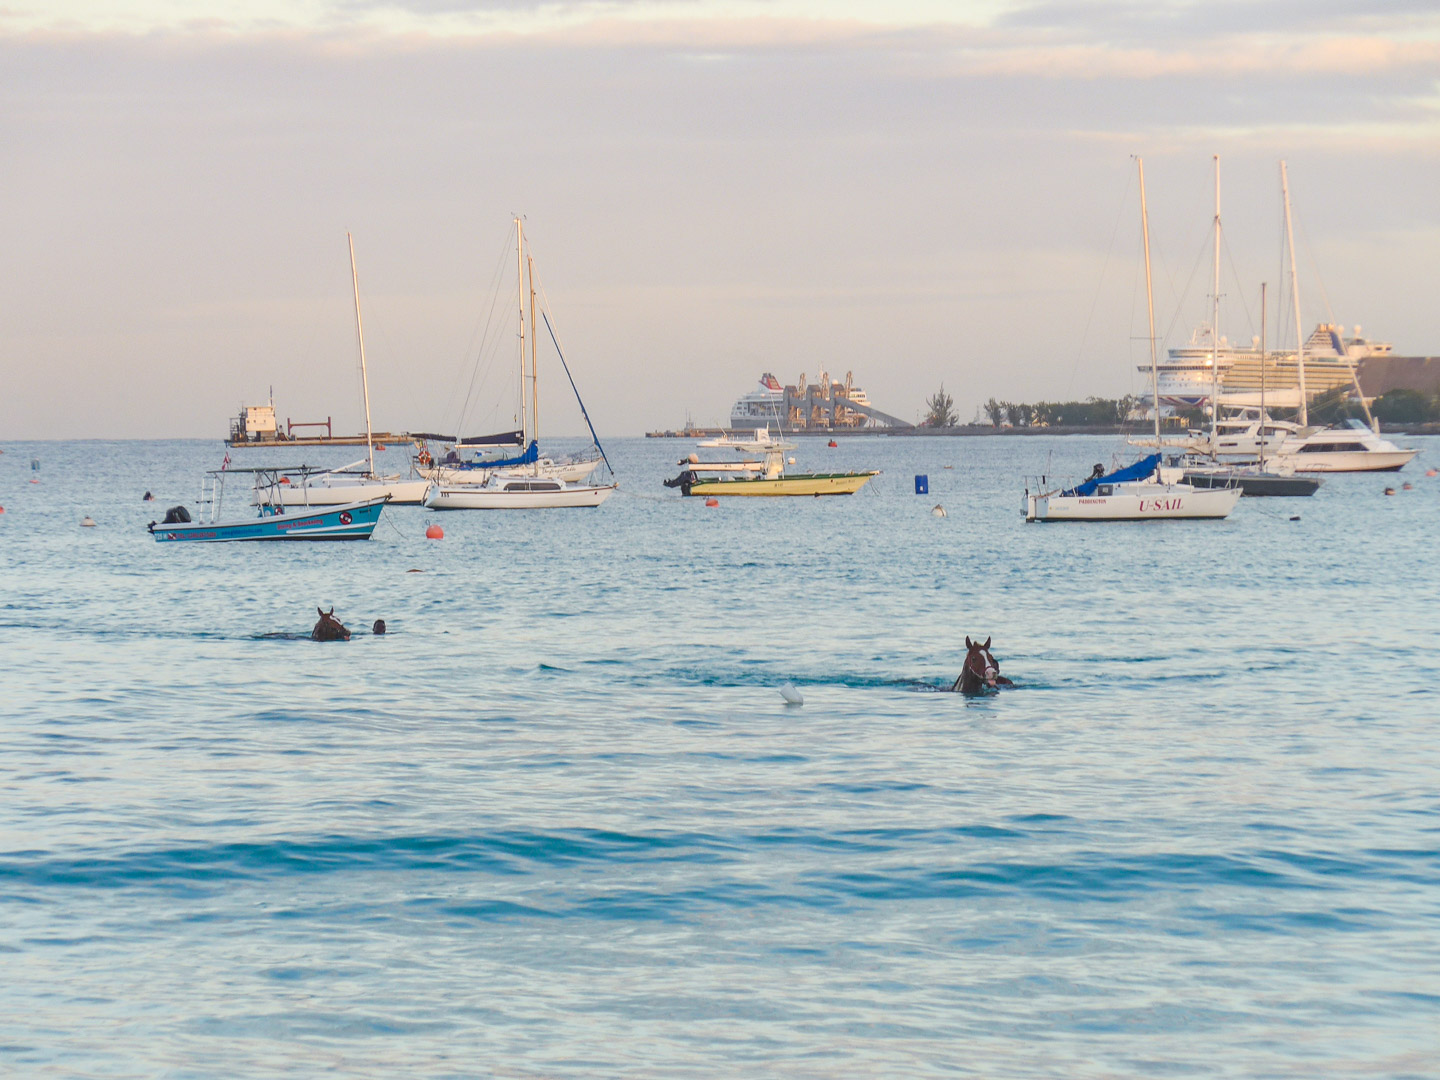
[[1141, 492], [1351, 448]]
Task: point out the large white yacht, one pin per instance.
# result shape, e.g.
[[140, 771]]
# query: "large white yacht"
[[1352, 447], [1185, 380]]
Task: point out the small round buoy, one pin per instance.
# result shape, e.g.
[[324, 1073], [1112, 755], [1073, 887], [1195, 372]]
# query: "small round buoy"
[[712, 501], [790, 694], [1407, 486], [379, 446], [790, 461], [2, 509], [1432, 472], [939, 511], [87, 522], [834, 443], [34, 481], [434, 532], [693, 459], [1389, 491]]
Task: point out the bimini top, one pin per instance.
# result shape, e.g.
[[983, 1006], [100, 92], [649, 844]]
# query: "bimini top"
[[1139, 471]]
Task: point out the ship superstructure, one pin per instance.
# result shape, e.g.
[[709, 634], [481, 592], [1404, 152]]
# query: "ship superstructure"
[[1184, 376], [827, 404]]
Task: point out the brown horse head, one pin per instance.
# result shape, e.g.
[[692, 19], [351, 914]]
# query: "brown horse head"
[[329, 628], [981, 671]]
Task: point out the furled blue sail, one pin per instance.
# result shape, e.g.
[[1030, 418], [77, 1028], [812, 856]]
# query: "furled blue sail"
[[529, 457], [1139, 471]]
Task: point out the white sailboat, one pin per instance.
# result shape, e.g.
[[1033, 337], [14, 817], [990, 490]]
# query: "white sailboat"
[[527, 482], [1143, 491], [336, 487]]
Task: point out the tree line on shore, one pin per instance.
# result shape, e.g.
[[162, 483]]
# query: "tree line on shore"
[[1092, 412], [1393, 407]]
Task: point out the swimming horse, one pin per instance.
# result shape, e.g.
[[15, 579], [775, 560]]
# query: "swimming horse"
[[981, 671], [329, 628]]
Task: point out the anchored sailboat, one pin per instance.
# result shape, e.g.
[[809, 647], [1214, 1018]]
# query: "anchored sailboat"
[[527, 481], [1145, 490], [335, 487]]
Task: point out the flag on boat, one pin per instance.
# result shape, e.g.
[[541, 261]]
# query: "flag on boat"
[[226, 463]]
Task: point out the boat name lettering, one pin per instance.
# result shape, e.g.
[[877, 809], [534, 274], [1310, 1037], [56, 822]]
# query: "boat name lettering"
[[298, 524], [1159, 504]]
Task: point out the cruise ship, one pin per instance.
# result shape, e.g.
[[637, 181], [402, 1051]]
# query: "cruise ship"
[[825, 404], [1184, 376]]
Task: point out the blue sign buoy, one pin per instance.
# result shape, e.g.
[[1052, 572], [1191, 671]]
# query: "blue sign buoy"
[[922, 485]]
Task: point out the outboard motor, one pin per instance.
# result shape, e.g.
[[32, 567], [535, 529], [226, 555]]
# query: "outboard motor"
[[176, 515]]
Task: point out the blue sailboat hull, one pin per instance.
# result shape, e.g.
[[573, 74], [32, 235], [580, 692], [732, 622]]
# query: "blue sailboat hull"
[[354, 521]]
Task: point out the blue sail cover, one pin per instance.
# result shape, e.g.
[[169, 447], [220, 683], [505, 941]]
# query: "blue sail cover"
[[529, 457], [1139, 471]]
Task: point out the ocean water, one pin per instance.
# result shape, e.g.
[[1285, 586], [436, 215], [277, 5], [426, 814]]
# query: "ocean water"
[[560, 823]]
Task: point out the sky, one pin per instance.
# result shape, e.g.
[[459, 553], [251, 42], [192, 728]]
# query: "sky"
[[917, 192]]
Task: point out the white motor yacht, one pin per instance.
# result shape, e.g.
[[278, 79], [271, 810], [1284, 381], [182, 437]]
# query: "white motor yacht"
[[1350, 448]]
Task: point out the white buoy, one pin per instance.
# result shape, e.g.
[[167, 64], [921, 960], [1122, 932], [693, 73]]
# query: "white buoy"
[[939, 511], [87, 522], [790, 694]]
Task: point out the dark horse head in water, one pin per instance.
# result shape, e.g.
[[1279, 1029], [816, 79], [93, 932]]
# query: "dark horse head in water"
[[981, 671], [329, 628]]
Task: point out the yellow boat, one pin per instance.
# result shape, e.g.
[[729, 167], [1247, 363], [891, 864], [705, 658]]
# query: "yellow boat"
[[763, 478], [795, 484]]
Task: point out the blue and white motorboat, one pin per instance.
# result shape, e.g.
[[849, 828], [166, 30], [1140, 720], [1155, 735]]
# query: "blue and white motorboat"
[[275, 520]]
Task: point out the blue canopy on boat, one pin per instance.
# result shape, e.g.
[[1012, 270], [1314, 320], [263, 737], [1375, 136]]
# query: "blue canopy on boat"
[[529, 457], [1139, 471]]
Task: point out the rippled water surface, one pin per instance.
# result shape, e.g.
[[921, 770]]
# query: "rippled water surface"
[[559, 822]]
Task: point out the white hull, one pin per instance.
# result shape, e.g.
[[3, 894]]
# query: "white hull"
[[1348, 461], [1134, 502], [570, 472], [513, 496], [319, 493]]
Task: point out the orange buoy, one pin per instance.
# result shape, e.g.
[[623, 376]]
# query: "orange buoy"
[[2, 509], [434, 532], [1389, 491], [33, 480], [712, 501], [379, 446], [284, 479], [834, 443], [1432, 472]]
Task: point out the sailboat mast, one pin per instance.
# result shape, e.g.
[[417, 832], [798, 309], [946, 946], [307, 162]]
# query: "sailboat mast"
[[360, 336], [1263, 420], [534, 369], [1215, 326], [1149, 301], [520, 301], [1295, 300]]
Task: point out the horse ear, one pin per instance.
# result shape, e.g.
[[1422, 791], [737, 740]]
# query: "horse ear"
[[968, 645], [986, 646], [319, 612]]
